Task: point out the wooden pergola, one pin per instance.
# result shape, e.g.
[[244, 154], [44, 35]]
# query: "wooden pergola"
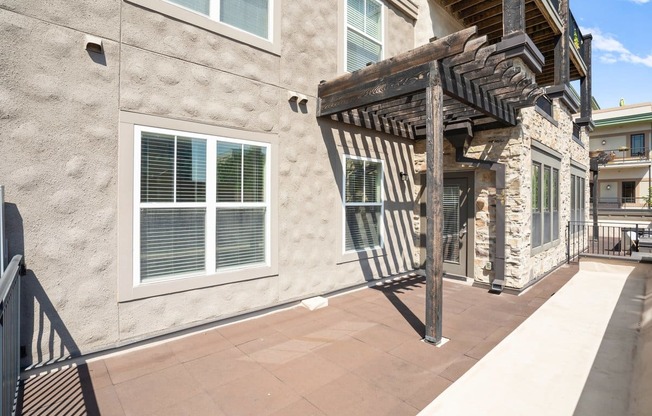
[[456, 80]]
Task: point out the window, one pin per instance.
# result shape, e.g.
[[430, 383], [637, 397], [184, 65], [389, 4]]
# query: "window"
[[637, 144], [578, 197], [629, 192], [364, 33], [252, 16], [202, 205], [545, 199], [363, 204]]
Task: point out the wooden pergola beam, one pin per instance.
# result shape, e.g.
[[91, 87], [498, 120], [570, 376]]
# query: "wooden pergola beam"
[[438, 49]]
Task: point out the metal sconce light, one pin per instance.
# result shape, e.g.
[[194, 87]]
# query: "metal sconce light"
[[608, 187], [604, 142], [403, 176]]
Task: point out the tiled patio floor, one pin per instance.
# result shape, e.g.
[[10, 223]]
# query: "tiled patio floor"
[[361, 355]]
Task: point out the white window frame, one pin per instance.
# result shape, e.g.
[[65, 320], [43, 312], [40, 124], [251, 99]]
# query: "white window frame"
[[346, 32], [214, 9], [212, 23], [381, 204], [210, 204]]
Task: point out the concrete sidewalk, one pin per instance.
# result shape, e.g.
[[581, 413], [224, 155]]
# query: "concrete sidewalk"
[[361, 355], [574, 356]]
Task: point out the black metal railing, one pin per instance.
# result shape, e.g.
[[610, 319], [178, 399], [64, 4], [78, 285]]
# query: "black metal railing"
[[625, 154], [576, 37], [10, 333], [603, 240]]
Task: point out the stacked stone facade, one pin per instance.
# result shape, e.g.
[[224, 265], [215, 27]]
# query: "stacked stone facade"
[[513, 147]]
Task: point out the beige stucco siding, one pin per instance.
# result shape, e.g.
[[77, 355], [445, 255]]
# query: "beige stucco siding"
[[59, 147], [433, 21], [61, 140]]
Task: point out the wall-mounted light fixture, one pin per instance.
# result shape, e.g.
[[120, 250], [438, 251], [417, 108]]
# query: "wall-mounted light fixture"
[[604, 142], [403, 176], [94, 44], [608, 187]]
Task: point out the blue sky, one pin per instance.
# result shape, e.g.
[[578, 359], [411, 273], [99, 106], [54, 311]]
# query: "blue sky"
[[622, 48]]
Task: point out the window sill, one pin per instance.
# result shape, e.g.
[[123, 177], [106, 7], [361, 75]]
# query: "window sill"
[[204, 22], [353, 256], [184, 284], [545, 247]]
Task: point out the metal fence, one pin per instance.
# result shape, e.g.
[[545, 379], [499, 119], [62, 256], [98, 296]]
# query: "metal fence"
[[602, 240], [10, 333]]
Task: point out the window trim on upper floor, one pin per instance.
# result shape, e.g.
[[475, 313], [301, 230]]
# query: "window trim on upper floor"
[[129, 286], [272, 44], [344, 26]]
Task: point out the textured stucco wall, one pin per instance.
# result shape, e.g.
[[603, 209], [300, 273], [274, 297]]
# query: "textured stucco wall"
[[59, 147], [433, 20], [61, 109]]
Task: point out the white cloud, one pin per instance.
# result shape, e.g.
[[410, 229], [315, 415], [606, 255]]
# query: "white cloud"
[[614, 51], [640, 1]]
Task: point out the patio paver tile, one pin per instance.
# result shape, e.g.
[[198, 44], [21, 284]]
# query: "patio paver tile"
[[394, 375], [348, 353], [140, 362], [299, 408], [458, 368], [157, 390], [217, 369], [343, 394], [199, 345], [383, 337], [199, 405], [308, 373], [259, 393], [107, 401], [421, 397]]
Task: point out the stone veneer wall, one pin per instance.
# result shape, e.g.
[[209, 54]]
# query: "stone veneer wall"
[[512, 147]]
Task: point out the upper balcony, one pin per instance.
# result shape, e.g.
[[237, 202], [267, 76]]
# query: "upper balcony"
[[544, 24]]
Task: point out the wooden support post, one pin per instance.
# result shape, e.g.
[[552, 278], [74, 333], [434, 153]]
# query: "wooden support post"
[[562, 57], [513, 17], [585, 85], [434, 212]]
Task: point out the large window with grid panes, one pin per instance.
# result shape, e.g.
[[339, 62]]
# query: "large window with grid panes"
[[363, 203], [201, 204], [251, 16], [364, 33], [544, 199]]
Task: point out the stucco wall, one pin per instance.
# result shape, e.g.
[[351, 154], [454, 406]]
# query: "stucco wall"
[[61, 108], [59, 147], [433, 21]]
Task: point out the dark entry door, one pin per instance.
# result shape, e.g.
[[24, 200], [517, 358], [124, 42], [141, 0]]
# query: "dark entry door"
[[455, 238]]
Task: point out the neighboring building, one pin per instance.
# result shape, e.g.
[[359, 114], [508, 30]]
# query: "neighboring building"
[[624, 133], [174, 163]]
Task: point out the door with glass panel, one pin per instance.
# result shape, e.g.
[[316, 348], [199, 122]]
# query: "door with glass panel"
[[455, 235]]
